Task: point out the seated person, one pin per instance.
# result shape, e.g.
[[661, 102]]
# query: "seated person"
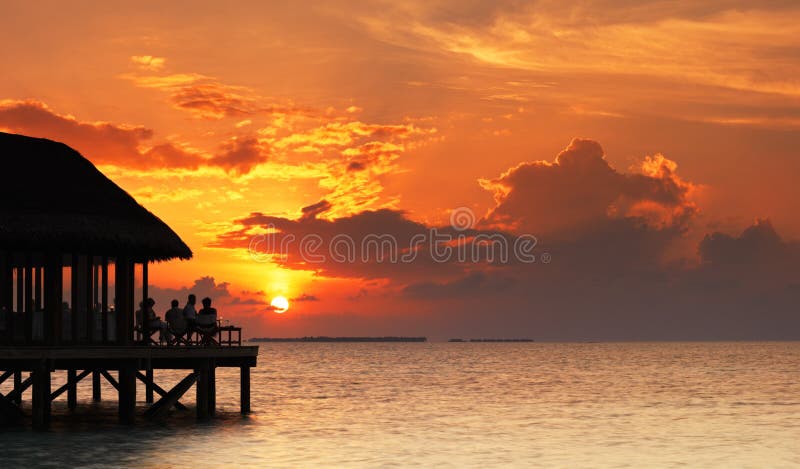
[[207, 317], [155, 323], [175, 318]]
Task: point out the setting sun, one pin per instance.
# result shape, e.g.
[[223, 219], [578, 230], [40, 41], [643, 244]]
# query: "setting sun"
[[280, 304]]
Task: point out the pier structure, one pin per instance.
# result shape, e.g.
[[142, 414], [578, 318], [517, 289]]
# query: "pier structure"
[[71, 244]]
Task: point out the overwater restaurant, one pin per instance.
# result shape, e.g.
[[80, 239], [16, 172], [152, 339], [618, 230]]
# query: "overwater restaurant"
[[74, 255]]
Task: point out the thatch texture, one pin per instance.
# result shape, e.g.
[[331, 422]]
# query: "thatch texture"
[[54, 199]]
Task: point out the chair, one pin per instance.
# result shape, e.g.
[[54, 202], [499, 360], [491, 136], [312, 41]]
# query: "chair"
[[206, 335], [150, 333], [179, 337]]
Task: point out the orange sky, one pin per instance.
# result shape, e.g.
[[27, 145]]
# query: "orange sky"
[[207, 113]]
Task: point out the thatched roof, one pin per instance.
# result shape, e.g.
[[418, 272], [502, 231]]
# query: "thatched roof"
[[54, 199]]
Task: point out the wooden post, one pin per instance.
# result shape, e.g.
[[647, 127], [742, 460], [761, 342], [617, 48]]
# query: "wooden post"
[[148, 387], [212, 388], [18, 387], [41, 395], [28, 292], [202, 372], [72, 389], [89, 294], [37, 290], [127, 392], [145, 323], [96, 390], [244, 389], [73, 277], [123, 271], [6, 292], [104, 297], [53, 298]]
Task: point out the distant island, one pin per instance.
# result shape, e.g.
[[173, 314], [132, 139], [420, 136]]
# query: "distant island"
[[490, 340], [339, 339]]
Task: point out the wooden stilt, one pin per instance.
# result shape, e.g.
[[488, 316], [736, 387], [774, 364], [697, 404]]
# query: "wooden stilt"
[[148, 384], [9, 412], [244, 389], [127, 394], [72, 389], [96, 390], [41, 395], [17, 387], [202, 372], [16, 394], [212, 388], [71, 382]]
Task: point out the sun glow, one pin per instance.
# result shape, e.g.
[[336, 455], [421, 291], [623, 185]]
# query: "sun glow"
[[280, 304]]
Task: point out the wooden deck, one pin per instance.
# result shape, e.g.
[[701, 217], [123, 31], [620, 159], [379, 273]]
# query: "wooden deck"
[[108, 357], [132, 364]]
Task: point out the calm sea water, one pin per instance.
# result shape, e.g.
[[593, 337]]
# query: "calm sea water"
[[459, 405]]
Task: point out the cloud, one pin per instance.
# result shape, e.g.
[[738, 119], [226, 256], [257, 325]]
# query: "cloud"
[[601, 271], [305, 297], [203, 287], [579, 189], [101, 142], [759, 244], [240, 154], [202, 96], [148, 62]]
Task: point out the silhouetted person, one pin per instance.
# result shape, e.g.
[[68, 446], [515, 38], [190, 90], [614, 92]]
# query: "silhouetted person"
[[190, 314], [175, 318], [207, 317], [207, 321], [155, 323]]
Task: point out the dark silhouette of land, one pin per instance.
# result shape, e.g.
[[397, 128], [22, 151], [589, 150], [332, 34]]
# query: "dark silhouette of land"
[[490, 340], [339, 339]]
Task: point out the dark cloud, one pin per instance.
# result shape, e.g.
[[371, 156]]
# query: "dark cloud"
[[306, 297], [240, 155], [602, 269], [313, 210], [100, 142], [579, 189]]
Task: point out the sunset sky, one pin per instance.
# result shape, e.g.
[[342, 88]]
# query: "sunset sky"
[[652, 148]]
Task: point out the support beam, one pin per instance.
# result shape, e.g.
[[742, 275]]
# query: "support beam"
[[72, 389], [113, 382], [104, 297], [41, 395], [162, 406], [244, 389], [18, 387], [88, 284], [127, 393], [212, 388], [37, 289], [148, 385], [97, 393], [16, 394], [203, 373], [29, 306], [124, 290], [9, 413], [74, 289], [72, 380], [53, 298], [6, 375], [158, 389]]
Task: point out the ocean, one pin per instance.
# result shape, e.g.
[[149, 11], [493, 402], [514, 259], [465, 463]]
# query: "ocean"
[[458, 405]]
